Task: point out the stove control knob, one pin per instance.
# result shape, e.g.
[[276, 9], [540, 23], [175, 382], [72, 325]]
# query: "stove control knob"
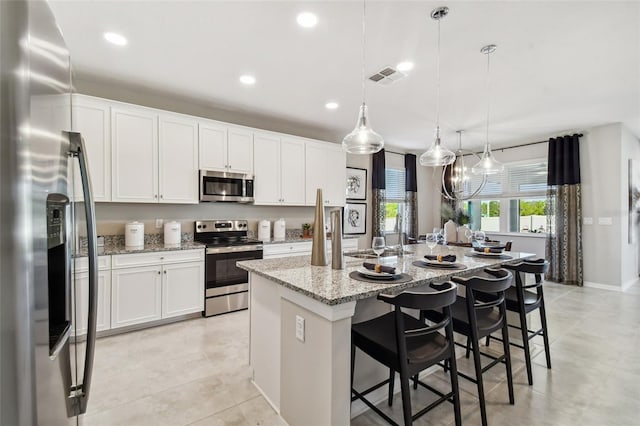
[[204, 226], [199, 226]]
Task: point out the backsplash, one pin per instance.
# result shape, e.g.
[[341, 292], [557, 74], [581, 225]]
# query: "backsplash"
[[118, 240]]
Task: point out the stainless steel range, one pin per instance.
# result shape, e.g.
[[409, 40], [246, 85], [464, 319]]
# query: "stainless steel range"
[[226, 285]]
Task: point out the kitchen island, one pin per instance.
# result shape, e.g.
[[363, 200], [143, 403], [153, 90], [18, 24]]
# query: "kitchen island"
[[301, 318]]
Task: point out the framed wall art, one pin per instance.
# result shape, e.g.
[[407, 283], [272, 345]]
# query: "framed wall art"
[[354, 218], [356, 183]]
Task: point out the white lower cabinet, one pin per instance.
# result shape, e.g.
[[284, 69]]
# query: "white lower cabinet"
[[157, 285], [80, 305], [136, 295], [182, 289], [303, 248]]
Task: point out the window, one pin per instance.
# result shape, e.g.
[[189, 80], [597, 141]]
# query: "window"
[[395, 195], [512, 201]]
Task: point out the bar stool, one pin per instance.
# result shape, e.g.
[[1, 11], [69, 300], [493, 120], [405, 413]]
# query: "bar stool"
[[477, 319], [523, 300], [407, 345]]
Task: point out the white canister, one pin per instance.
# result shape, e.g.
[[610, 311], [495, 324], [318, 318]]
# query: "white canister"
[[450, 231], [279, 230], [462, 233], [172, 234], [264, 230], [134, 236]]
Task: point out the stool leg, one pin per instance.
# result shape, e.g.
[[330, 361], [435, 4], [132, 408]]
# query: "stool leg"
[[454, 385], [478, 368], [415, 382], [545, 333], [406, 397], [488, 341], [353, 363], [468, 347], [525, 343], [507, 353], [392, 380]]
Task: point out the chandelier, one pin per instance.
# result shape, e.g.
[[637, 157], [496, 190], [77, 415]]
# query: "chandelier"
[[456, 180]]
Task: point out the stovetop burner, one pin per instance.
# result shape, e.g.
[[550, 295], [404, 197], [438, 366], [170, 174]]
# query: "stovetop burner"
[[223, 233]]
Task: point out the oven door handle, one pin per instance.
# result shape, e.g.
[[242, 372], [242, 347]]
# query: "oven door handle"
[[238, 249]]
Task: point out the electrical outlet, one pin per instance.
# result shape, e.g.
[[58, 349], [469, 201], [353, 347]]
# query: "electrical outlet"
[[299, 328], [159, 223]]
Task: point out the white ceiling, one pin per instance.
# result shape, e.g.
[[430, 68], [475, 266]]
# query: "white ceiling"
[[559, 67]]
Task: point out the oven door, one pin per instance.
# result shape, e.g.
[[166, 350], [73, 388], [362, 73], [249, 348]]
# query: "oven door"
[[222, 272]]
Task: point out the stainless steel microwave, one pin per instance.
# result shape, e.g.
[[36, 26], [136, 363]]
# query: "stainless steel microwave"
[[225, 186]]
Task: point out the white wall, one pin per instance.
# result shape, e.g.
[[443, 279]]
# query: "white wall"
[[609, 260]]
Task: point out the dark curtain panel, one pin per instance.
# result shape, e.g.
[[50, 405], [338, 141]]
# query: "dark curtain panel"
[[446, 184], [378, 183], [411, 197], [564, 215]]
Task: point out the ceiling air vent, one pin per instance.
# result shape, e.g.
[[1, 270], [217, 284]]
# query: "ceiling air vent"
[[387, 76]]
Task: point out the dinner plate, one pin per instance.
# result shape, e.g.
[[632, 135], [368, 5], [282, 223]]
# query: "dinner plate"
[[376, 275], [480, 253], [437, 264]]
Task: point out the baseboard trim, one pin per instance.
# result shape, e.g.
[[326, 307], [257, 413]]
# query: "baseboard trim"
[[275, 408], [601, 286], [627, 285]]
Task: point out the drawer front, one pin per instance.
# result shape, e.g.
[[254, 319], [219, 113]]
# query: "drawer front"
[[287, 248], [224, 304], [82, 263], [154, 258]]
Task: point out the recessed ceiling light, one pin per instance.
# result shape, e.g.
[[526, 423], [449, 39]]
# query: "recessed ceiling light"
[[307, 19], [331, 105], [247, 79], [405, 66], [116, 39]]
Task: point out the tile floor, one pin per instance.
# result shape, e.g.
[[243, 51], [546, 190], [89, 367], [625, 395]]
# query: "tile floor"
[[196, 373]]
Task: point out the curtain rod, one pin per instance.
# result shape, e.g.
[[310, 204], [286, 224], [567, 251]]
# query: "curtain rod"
[[497, 149], [527, 144]]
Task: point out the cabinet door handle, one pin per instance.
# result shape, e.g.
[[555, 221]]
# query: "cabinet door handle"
[[158, 272], [155, 196], [165, 272], [162, 196]]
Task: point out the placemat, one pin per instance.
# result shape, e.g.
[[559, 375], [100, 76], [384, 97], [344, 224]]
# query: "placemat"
[[404, 278], [456, 266], [502, 256]]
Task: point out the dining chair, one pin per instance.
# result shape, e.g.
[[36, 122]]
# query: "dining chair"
[[476, 319], [408, 346]]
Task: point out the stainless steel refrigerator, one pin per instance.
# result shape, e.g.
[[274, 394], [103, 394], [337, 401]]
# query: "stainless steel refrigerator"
[[45, 376]]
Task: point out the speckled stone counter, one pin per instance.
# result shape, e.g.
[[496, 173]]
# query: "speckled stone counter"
[[114, 244], [333, 287]]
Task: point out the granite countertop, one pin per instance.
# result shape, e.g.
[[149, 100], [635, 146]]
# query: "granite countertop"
[[114, 244], [299, 239], [333, 287]]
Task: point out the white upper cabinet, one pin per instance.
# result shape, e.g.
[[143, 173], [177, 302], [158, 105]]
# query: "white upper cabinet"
[[325, 168], [178, 160], [134, 145], [279, 170], [91, 118], [225, 148], [266, 167], [213, 146], [240, 150], [292, 171]]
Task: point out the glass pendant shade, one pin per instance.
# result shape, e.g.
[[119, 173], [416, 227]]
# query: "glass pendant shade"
[[487, 165], [436, 155], [363, 140]]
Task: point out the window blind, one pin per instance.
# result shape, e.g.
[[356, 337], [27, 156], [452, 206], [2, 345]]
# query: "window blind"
[[395, 184], [517, 179]]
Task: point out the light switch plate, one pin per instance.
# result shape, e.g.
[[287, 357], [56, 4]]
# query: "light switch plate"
[[605, 221], [588, 221], [299, 328]]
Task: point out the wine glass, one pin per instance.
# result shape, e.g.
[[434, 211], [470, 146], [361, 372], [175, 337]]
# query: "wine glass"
[[377, 244], [432, 241], [468, 233]]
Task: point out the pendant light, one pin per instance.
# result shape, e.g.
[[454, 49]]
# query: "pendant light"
[[437, 155], [459, 180], [488, 165], [363, 140]]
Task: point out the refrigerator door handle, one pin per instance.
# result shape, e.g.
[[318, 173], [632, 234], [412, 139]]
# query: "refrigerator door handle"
[[80, 392]]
